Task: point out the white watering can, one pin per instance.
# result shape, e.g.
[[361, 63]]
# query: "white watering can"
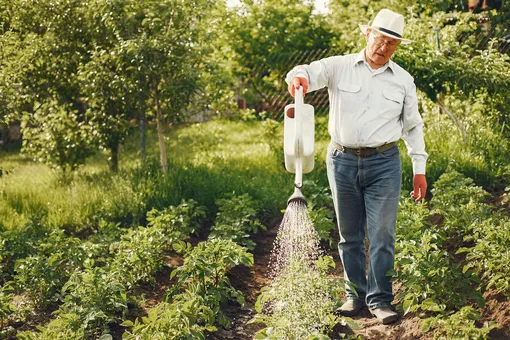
[[299, 140]]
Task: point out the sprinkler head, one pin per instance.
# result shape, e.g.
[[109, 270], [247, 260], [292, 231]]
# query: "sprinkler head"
[[297, 196]]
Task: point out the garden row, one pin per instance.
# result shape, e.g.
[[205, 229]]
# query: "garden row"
[[448, 255], [91, 283]]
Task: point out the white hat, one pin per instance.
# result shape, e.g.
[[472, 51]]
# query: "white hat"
[[389, 23]]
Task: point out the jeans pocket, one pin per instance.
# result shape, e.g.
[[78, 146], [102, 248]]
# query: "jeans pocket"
[[333, 151]]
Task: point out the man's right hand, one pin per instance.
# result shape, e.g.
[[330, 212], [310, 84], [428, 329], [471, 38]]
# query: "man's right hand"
[[295, 83]]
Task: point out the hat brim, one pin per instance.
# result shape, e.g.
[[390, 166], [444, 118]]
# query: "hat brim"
[[363, 29]]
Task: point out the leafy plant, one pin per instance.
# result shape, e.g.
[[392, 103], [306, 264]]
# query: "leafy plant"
[[6, 306], [43, 275], [138, 256], [459, 325], [179, 221], [489, 256], [205, 269], [236, 220], [187, 317], [300, 302], [97, 298], [17, 244], [431, 281]]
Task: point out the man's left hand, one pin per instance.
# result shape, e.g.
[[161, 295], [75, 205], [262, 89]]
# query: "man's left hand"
[[420, 187]]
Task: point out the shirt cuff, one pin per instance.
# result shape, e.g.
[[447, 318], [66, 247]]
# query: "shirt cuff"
[[419, 166]]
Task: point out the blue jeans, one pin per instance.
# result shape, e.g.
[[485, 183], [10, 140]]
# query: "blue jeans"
[[366, 192]]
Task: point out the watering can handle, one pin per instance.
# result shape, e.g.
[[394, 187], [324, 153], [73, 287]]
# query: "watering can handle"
[[298, 95]]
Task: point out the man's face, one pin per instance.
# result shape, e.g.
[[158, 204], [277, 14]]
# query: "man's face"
[[380, 48]]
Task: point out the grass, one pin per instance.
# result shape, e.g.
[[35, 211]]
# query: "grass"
[[210, 160]]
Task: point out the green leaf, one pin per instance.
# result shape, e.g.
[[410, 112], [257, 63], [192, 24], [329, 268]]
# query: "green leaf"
[[127, 323]]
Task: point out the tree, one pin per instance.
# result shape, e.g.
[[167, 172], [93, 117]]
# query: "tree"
[[266, 34]]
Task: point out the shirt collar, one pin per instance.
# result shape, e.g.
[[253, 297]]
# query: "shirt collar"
[[360, 57]]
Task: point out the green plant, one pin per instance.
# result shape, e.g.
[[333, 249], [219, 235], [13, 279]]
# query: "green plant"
[[460, 202], [43, 274], [236, 220], [138, 255], [489, 256], [431, 281], [187, 317], [180, 221], [459, 325], [65, 327], [98, 299], [206, 267], [300, 302], [322, 214], [17, 244], [6, 306]]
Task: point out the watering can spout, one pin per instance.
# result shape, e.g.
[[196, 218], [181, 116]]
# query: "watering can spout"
[[297, 196]]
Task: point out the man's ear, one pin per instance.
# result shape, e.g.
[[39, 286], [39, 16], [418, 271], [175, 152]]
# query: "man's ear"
[[367, 33]]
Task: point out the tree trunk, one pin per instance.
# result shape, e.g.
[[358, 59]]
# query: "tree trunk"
[[142, 128], [114, 157], [161, 136]]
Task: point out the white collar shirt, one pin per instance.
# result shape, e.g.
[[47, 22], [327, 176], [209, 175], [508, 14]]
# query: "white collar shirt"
[[368, 108]]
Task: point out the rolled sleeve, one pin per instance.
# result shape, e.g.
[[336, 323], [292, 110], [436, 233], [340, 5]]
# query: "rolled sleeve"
[[317, 73]]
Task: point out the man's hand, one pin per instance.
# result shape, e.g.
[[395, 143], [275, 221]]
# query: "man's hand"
[[295, 83], [420, 187]]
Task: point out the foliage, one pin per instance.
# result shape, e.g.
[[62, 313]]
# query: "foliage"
[[205, 270], [18, 244], [66, 327], [236, 220], [490, 256], [459, 325], [432, 281], [460, 202], [187, 317], [202, 287], [266, 36], [180, 221], [300, 302], [138, 256], [322, 214], [57, 135], [97, 297], [6, 306], [43, 274]]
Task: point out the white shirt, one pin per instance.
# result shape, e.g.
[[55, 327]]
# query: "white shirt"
[[368, 108]]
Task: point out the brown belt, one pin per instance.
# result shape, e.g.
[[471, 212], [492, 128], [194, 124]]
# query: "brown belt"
[[365, 152]]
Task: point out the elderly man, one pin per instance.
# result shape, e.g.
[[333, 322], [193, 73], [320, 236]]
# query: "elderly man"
[[373, 104]]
